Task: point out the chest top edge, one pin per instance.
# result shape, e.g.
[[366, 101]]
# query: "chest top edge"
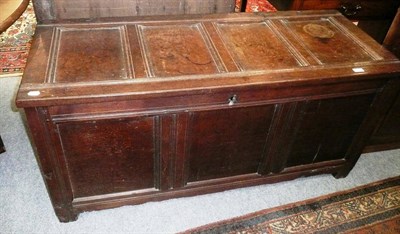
[[181, 52]]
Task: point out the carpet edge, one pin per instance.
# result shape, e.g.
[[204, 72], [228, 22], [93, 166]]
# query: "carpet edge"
[[287, 206]]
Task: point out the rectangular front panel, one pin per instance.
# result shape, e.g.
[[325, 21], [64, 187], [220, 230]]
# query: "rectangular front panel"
[[325, 129], [255, 46], [109, 156], [322, 37], [226, 142], [89, 54], [177, 50]]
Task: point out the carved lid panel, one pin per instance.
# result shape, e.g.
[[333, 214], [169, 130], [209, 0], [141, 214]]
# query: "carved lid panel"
[[328, 41], [257, 46], [176, 50], [182, 53]]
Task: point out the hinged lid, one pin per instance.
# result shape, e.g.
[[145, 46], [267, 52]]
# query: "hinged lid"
[[72, 63]]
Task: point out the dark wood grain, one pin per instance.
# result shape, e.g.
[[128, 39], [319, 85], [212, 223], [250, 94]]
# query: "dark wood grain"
[[387, 133], [250, 52], [151, 108], [281, 133], [175, 51], [102, 156], [231, 140], [60, 193], [310, 144], [376, 114], [109, 54]]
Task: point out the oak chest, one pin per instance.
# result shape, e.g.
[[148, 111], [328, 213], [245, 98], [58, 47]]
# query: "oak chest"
[[129, 110]]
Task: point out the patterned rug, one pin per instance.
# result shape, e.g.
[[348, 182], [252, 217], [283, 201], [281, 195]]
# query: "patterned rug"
[[257, 6], [373, 208], [16, 40], [15, 43]]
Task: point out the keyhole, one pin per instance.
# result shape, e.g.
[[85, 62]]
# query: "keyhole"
[[232, 100]]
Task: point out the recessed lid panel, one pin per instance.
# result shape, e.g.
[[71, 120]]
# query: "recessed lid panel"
[[256, 46], [328, 41], [176, 50], [89, 54]]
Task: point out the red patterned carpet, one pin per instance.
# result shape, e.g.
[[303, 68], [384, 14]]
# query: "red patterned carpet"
[[16, 41], [257, 6], [372, 208]]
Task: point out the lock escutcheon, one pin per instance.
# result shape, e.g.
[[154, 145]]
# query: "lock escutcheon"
[[232, 100]]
